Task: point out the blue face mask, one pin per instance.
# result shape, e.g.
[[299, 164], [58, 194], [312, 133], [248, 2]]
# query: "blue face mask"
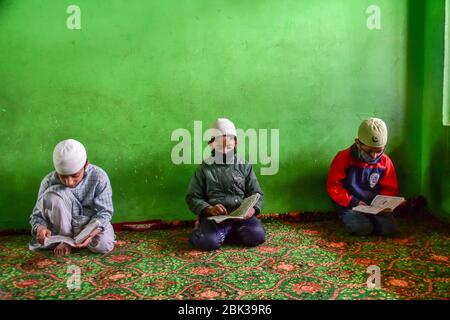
[[364, 156]]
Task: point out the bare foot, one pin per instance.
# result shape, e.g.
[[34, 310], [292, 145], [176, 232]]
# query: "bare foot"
[[62, 249]]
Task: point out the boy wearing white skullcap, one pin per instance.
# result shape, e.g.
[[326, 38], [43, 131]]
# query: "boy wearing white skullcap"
[[75, 194], [218, 187], [358, 174]]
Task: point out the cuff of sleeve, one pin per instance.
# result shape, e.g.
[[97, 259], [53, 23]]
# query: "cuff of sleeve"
[[200, 209], [353, 202], [103, 222], [34, 229]]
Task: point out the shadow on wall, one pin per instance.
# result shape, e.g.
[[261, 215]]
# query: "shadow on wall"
[[438, 182], [408, 173], [446, 178], [4, 4], [407, 157]]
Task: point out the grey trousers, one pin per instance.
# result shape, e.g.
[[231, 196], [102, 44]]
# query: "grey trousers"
[[61, 222]]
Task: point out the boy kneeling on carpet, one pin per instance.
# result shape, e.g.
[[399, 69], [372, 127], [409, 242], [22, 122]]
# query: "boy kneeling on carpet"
[[218, 187], [75, 196], [358, 174]]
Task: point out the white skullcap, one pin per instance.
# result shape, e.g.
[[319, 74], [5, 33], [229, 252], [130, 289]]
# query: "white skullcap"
[[373, 133], [224, 126], [69, 157]]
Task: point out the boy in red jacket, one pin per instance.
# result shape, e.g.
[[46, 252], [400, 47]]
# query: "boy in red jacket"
[[358, 174]]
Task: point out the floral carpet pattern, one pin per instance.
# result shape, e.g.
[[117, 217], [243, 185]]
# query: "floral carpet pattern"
[[312, 260]]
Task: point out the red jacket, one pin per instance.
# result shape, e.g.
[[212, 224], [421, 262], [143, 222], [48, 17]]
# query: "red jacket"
[[351, 180]]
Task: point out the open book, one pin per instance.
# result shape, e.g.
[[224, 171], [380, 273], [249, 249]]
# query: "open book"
[[381, 204], [241, 213], [83, 235]]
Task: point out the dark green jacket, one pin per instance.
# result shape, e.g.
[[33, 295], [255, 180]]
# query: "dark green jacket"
[[227, 184]]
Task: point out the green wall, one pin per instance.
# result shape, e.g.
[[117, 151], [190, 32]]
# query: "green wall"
[[137, 70], [436, 137]]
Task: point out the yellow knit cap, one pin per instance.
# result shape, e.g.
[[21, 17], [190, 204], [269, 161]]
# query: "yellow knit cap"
[[373, 133]]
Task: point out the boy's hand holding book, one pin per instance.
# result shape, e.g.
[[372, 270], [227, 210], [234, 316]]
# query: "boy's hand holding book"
[[88, 240], [216, 210], [251, 212], [42, 233]]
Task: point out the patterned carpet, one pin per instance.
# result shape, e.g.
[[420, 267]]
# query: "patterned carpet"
[[308, 260]]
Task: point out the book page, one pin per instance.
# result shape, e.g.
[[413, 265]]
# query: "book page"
[[219, 219], [387, 202], [91, 226], [367, 209], [245, 206], [241, 212], [58, 239]]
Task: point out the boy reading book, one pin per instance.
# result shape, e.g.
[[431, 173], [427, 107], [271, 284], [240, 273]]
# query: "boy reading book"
[[218, 187], [74, 201], [360, 173]]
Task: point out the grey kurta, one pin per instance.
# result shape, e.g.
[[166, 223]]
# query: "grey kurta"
[[227, 184], [90, 199]]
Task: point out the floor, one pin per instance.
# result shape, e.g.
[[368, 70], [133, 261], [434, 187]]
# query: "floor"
[[300, 260]]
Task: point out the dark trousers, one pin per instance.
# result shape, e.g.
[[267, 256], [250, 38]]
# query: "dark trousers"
[[364, 224], [209, 235]]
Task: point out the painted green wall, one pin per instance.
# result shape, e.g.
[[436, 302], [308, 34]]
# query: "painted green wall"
[[137, 70], [436, 137]]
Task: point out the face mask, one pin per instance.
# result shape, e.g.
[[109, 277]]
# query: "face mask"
[[364, 156]]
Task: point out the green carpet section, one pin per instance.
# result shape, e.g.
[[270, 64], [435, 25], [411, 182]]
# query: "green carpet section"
[[310, 260]]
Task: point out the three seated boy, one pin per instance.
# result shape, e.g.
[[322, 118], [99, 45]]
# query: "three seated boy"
[[77, 193]]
